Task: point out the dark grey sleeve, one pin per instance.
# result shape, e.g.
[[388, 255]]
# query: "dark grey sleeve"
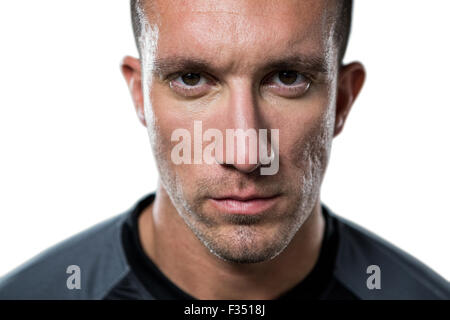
[[85, 266], [363, 256]]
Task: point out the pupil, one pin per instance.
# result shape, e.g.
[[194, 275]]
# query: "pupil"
[[288, 77], [191, 79]]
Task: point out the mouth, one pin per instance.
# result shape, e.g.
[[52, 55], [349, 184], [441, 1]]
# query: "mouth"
[[251, 204]]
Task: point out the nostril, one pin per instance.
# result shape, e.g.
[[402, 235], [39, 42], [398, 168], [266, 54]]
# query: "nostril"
[[246, 168]]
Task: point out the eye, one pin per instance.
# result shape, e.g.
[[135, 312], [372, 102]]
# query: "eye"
[[288, 77], [191, 79], [190, 84], [288, 83]]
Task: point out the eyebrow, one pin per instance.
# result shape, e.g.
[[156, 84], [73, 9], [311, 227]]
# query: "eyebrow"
[[312, 64], [304, 63], [165, 66]]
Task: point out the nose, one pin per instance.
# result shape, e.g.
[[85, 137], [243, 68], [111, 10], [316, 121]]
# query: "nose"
[[243, 120]]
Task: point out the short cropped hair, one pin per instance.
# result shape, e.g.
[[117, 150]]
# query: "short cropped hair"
[[342, 26]]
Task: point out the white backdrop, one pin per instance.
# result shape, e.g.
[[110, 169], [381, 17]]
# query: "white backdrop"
[[72, 152]]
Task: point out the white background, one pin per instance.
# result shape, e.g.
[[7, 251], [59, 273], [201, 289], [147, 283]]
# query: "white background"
[[72, 152]]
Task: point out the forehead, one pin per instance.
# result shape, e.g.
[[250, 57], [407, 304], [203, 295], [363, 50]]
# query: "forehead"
[[241, 30]]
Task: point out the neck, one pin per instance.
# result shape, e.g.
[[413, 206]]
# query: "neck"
[[177, 252]]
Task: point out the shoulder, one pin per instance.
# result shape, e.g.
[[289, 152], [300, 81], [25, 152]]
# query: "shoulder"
[[96, 255], [363, 255]]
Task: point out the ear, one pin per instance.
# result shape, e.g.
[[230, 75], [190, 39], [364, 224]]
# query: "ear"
[[131, 70], [350, 81]]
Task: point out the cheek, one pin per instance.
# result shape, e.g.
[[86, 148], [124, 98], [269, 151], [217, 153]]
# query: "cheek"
[[307, 140], [160, 130], [166, 118], [312, 149], [170, 116]]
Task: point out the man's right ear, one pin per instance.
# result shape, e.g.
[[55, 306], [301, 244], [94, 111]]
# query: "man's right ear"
[[131, 70]]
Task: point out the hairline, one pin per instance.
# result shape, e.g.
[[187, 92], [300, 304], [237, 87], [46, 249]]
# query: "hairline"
[[342, 25]]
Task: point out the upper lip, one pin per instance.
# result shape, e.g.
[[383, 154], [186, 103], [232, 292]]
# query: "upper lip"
[[245, 197]]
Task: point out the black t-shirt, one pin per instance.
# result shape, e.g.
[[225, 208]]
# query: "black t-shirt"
[[314, 286], [113, 265]]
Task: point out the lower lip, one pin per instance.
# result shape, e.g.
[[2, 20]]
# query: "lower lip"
[[254, 206]]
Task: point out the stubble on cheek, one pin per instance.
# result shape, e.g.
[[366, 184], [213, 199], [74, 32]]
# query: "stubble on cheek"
[[310, 156]]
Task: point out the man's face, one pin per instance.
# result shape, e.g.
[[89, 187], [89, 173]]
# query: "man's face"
[[241, 65]]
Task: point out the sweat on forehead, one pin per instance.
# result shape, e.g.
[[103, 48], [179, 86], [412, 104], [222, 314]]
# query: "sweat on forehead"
[[340, 16]]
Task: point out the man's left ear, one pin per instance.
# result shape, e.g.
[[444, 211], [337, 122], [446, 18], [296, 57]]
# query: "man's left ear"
[[350, 81]]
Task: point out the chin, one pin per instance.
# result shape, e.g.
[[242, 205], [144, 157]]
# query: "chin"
[[246, 244]]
